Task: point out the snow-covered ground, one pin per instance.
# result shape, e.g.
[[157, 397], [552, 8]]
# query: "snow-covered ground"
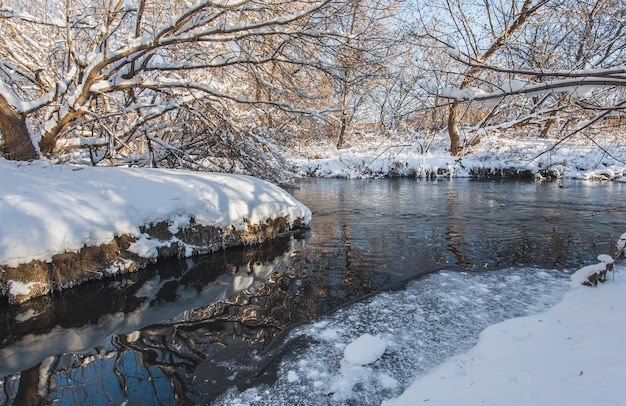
[[573, 354], [49, 209], [367, 155]]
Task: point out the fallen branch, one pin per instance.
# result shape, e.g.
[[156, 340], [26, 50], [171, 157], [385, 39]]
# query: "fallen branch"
[[590, 275]]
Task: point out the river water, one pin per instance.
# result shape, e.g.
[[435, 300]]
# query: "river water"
[[263, 324]]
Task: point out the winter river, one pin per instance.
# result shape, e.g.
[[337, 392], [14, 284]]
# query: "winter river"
[[426, 265]]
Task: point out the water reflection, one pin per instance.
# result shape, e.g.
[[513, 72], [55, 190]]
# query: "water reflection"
[[157, 363], [365, 236], [79, 319]]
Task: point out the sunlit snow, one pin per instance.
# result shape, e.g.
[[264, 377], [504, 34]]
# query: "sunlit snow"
[[49, 209], [365, 350], [570, 355], [425, 155]]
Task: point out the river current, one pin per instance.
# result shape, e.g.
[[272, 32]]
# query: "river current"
[[233, 327]]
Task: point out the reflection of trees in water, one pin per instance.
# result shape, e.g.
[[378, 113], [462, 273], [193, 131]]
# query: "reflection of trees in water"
[[481, 233], [156, 362], [118, 369], [27, 392], [88, 304]]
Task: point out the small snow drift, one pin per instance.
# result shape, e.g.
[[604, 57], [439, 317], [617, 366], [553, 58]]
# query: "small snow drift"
[[355, 369], [365, 350], [590, 275]]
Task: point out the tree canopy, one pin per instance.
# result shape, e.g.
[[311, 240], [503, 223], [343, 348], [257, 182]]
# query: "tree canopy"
[[220, 85]]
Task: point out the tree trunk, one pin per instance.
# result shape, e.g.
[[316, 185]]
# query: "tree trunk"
[[344, 115], [524, 14], [342, 130], [453, 129], [18, 146]]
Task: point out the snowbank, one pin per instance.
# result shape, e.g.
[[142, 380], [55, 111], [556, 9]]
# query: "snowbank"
[[52, 209], [426, 156], [571, 354]]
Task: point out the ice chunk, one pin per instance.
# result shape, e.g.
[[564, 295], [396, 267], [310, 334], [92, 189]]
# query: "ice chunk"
[[365, 350]]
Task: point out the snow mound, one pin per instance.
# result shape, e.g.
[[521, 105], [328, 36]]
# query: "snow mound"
[[590, 274], [365, 350], [50, 209]]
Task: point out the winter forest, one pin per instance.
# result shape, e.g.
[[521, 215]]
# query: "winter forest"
[[229, 85], [139, 264]]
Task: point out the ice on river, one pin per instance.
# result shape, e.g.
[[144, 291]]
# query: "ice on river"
[[374, 349]]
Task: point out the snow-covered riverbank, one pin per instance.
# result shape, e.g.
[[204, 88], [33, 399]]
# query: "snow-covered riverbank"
[[52, 209], [368, 155], [571, 354]]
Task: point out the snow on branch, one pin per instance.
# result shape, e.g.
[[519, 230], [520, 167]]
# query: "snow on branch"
[[576, 82], [580, 87], [8, 12], [540, 72], [207, 83], [187, 29]]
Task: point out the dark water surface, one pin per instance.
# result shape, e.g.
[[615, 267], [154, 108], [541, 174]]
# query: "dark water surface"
[[109, 342]]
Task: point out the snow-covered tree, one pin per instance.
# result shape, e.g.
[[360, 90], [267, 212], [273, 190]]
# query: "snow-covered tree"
[[359, 54], [554, 66], [176, 83]]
